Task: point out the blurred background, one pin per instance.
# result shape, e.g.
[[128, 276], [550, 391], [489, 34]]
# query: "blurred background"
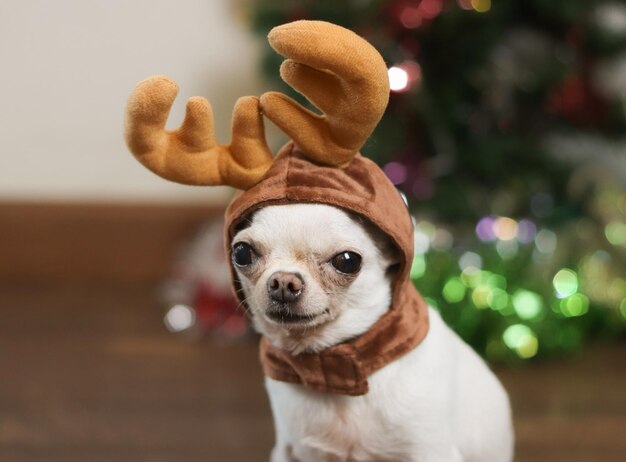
[[506, 131]]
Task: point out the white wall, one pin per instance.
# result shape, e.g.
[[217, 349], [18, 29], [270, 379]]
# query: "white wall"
[[66, 69]]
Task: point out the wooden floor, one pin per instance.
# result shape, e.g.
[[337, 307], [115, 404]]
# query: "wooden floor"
[[88, 373]]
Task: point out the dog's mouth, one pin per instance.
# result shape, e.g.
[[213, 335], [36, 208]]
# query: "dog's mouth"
[[282, 314]]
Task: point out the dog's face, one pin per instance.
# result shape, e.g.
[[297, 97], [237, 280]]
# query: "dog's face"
[[312, 275]]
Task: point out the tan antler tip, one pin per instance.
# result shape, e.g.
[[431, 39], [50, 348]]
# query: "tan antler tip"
[[342, 75], [190, 154], [146, 114], [152, 96]]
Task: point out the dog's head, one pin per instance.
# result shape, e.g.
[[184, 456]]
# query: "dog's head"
[[312, 275]]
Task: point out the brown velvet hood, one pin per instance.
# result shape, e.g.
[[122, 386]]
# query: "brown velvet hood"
[[361, 187]]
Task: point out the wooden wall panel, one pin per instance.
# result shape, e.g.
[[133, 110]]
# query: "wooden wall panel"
[[93, 242]]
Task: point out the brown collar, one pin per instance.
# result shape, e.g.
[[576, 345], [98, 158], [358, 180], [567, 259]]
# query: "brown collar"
[[344, 368]]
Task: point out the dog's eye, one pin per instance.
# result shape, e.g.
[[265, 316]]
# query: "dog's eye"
[[243, 254], [347, 262]]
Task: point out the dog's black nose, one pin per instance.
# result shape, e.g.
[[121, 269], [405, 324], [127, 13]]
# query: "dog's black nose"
[[285, 287]]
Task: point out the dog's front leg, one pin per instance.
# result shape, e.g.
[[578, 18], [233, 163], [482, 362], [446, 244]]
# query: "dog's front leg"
[[283, 453], [287, 453]]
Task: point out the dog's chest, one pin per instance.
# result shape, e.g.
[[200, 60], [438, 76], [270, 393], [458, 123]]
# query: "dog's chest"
[[330, 427]]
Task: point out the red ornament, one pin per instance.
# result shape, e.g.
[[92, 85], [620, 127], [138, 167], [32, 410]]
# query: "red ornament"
[[216, 309], [198, 293], [577, 101]]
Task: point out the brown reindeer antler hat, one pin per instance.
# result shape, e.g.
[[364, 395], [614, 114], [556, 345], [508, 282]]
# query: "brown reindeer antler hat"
[[346, 78]]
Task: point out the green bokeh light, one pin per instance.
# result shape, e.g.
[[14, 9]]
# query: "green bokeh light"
[[574, 305], [622, 308], [472, 276], [521, 339], [527, 304], [498, 299], [496, 280], [565, 283], [481, 295], [454, 290]]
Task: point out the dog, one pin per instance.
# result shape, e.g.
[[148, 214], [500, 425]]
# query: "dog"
[[358, 367], [314, 276]]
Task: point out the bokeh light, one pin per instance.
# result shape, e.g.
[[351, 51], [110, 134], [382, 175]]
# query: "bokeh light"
[[481, 6], [527, 304], [179, 318], [526, 231], [498, 299], [495, 280], [396, 172], [615, 232], [411, 17], [470, 259], [413, 71], [471, 276], [507, 249], [484, 229], [481, 296], [505, 228], [453, 290], [574, 305], [398, 79], [565, 283], [405, 75], [546, 241], [430, 8], [521, 339], [442, 240]]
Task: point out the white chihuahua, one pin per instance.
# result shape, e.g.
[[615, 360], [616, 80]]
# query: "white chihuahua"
[[329, 290], [314, 276]]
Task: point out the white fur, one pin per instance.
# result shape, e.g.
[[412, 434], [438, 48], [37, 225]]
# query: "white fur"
[[437, 403]]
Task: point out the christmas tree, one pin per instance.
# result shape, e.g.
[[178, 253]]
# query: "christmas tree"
[[506, 130]]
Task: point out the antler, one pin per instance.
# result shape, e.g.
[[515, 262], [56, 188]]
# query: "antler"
[[191, 155], [341, 74]]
